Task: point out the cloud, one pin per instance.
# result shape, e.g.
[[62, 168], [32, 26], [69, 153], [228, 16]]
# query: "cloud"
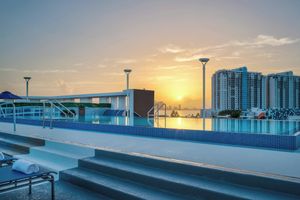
[[101, 66], [51, 71], [171, 67], [126, 61], [78, 64], [236, 54], [268, 40], [64, 86], [157, 78], [194, 57], [39, 71], [262, 41], [218, 51], [228, 57], [171, 49], [115, 74], [8, 70]]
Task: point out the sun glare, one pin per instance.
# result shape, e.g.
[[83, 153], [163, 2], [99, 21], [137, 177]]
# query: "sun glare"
[[179, 98]]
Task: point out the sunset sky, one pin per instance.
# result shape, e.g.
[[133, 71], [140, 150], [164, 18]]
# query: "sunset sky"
[[82, 46]]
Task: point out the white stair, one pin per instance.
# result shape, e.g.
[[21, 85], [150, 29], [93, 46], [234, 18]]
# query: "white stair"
[[57, 156]]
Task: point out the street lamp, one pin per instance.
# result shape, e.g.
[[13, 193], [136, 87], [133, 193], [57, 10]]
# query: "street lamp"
[[203, 61], [127, 72], [27, 79]]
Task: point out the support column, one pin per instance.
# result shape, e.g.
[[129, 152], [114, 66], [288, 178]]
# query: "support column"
[[114, 103], [131, 107]]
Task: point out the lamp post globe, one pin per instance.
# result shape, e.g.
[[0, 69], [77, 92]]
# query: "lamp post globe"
[[27, 79], [127, 72]]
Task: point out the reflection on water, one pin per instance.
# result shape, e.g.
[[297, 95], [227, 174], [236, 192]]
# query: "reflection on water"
[[222, 125]]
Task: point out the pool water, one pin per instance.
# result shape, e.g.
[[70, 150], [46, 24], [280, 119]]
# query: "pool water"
[[211, 124]]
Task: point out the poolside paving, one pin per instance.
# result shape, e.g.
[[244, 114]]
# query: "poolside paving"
[[269, 161], [63, 191]]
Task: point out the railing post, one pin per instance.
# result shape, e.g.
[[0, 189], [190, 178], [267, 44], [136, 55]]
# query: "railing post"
[[51, 113], [44, 111], [14, 113], [165, 115]]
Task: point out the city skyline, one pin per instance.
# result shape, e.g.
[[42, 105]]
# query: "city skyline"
[[240, 89], [83, 47]]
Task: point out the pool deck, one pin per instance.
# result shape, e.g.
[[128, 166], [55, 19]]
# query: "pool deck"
[[285, 163]]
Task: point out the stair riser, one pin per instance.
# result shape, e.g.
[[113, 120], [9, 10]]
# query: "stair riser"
[[32, 141], [102, 189], [67, 161], [15, 147], [177, 188], [9, 151], [71, 148], [237, 178]]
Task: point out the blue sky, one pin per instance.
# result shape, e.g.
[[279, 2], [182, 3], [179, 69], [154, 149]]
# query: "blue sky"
[[82, 46]]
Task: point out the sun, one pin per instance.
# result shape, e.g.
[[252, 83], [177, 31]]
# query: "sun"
[[179, 98]]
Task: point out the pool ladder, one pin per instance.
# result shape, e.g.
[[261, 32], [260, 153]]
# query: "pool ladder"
[[153, 114], [54, 104]]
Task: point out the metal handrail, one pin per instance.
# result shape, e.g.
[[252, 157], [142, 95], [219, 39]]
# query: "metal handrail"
[[158, 106], [2, 111], [62, 105], [51, 103], [14, 112], [52, 106]]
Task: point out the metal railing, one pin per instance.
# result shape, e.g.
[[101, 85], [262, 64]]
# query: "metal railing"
[[14, 113], [8, 109], [154, 113], [64, 107], [53, 106]]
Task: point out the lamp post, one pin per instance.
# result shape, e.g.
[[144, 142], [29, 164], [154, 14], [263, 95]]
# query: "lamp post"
[[27, 79], [203, 61], [127, 72]]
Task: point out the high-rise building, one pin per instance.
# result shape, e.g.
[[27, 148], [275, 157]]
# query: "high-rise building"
[[237, 89], [283, 90]]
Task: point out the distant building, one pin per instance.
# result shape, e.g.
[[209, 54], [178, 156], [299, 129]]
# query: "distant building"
[[238, 89], [283, 90], [179, 107]]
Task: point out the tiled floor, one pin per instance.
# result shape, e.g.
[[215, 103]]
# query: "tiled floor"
[[63, 191]]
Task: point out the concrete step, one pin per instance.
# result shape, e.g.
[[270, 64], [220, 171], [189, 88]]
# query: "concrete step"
[[268, 182], [180, 183], [21, 147], [8, 150], [57, 156], [50, 155], [115, 187], [25, 139], [15, 144], [64, 154], [70, 150]]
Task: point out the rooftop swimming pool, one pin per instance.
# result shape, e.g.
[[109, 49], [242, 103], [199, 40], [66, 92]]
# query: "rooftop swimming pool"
[[273, 127], [257, 133], [95, 116], [211, 124]]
